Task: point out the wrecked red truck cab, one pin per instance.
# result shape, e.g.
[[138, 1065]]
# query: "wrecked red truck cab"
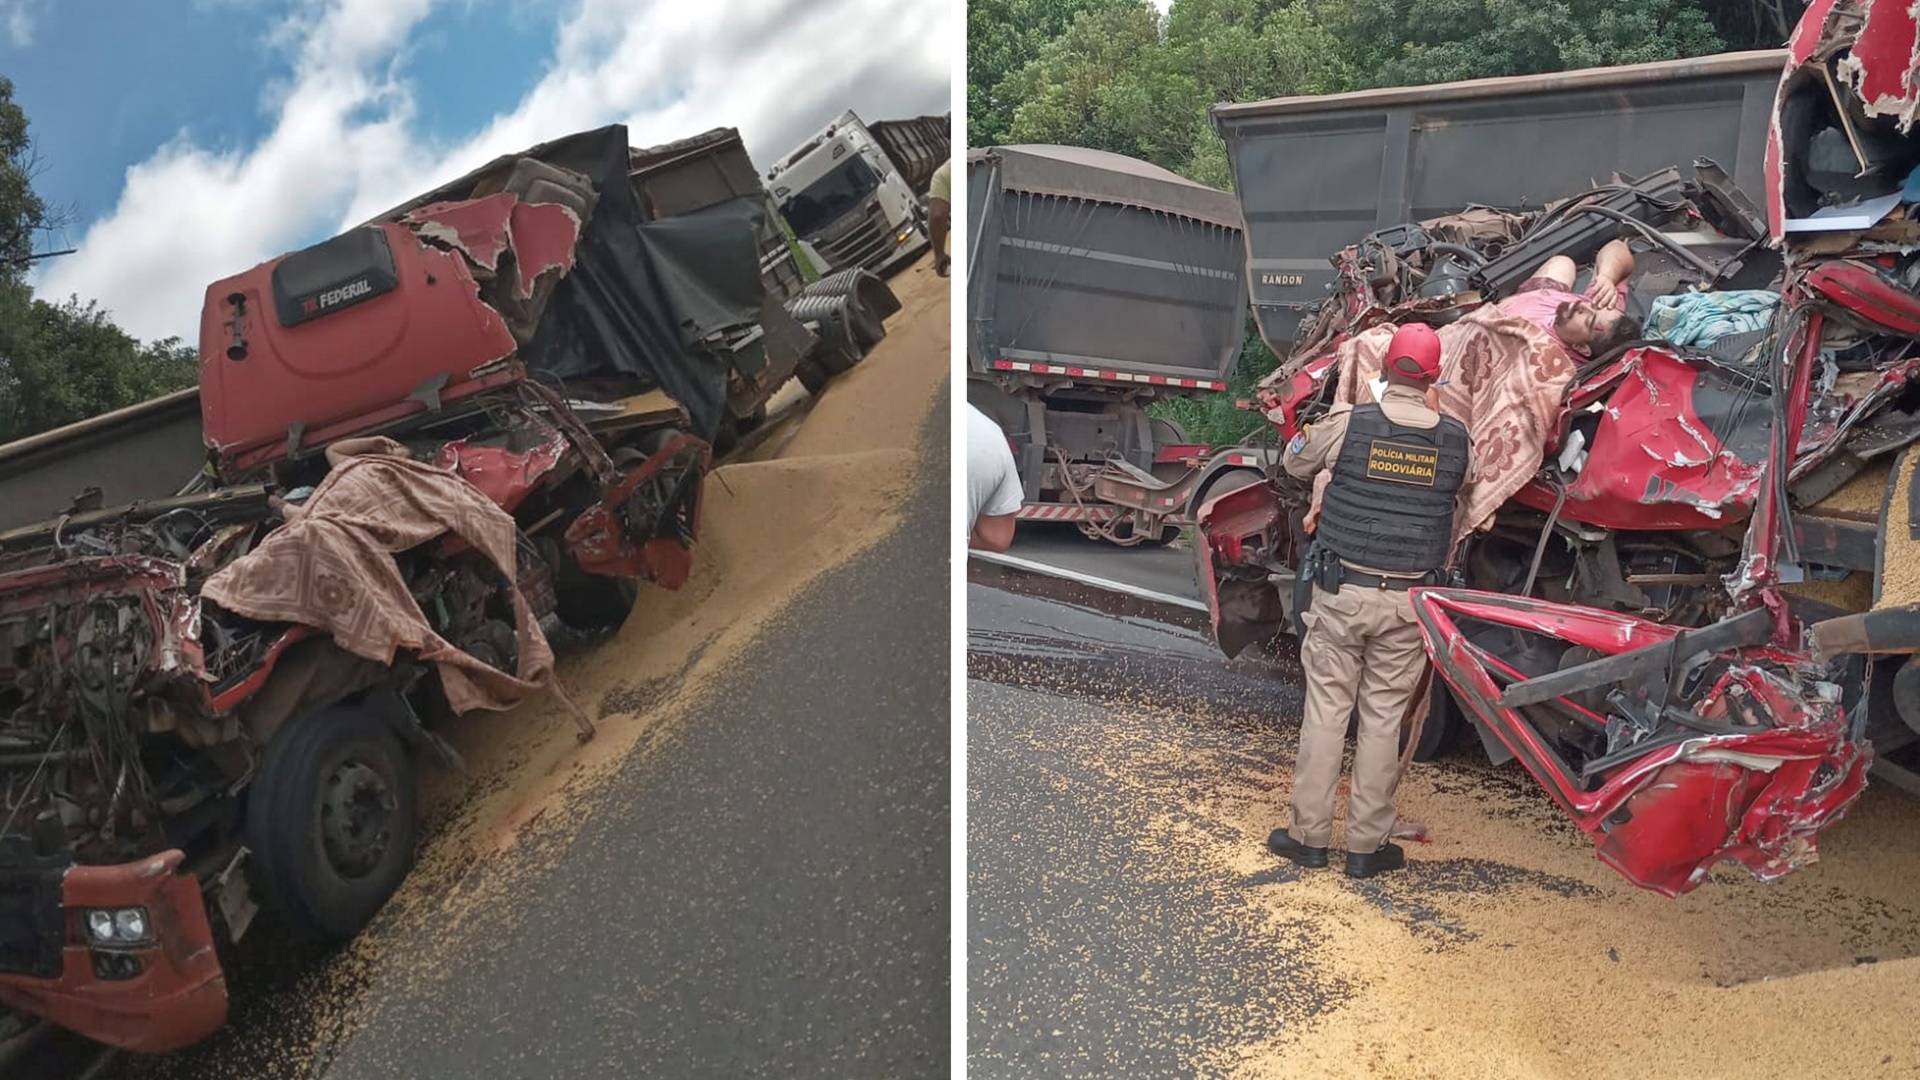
[[538, 364], [1671, 764], [1641, 530]]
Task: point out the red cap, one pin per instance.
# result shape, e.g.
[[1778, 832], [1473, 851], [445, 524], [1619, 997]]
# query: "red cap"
[[1415, 352]]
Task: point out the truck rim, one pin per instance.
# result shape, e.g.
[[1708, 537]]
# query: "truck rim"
[[356, 818]]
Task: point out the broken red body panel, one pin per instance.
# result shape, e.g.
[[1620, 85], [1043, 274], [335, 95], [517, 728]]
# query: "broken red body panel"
[[544, 238], [1758, 794], [1858, 287], [506, 476], [541, 236], [175, 994], [1882, 69], [1881, 64], [1242, 603], [1673, 447], [479, 227], [665, 488], [1656, 464]]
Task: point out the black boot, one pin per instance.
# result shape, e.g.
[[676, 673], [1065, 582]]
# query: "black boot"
[[1282, 843], [1389, 857]]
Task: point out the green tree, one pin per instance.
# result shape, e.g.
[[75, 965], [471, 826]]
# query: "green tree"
[[1409, 42], [1754, 24], [1003, 36], [22, 214], [1094, 85], [61, 362]]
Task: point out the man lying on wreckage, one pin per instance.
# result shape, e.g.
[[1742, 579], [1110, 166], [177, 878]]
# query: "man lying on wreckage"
[[1670, 617]]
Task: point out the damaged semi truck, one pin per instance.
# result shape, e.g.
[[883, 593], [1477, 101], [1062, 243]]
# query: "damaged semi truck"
[[1679, 600], [211, 698], [1097, 285]]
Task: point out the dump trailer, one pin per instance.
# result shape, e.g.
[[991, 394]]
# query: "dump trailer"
[[1317, 173], [146, 451], [1098, 284], [1675, 562], [916, 146], [851, 200], [709, 179]]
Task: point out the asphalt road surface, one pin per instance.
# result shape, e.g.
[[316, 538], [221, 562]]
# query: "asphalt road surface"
[[1125, 918], [1168, 570]]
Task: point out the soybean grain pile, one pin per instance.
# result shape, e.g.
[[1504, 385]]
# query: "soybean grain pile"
[[1127, 919]]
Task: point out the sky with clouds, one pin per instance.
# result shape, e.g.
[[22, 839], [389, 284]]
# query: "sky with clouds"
[[192, 139]]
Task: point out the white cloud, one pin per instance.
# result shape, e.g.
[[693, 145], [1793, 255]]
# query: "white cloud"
[[345, 144], [18, 17]]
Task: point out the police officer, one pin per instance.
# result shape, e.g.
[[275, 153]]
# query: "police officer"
[[1385, 525]]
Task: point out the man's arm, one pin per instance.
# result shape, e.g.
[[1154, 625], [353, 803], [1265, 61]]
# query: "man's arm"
[[937, 214], [939, 210], [1560, 269], [1316, 445], [993, 523], [992, 532], [1611, 269]]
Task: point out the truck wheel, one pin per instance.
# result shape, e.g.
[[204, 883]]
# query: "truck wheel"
[[1442, 716], [330, 820], [812, 376], [750, 423], [1227, 480], [589, 603], [594, 603]]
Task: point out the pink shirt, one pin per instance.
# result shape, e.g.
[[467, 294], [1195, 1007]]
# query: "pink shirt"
[[1538, 306]]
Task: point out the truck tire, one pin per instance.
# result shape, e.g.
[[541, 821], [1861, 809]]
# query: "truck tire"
[[812, 376], [595, 604], [1224, 481], [1443, 716], [331, 820], [752, 422]]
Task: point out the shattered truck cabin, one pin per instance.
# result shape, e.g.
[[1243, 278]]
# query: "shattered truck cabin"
[[211, 699], [1681, 605], [1097, 285]]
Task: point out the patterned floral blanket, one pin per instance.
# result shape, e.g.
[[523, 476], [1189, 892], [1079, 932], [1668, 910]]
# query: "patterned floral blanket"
[[332, 567], [1504, 378]]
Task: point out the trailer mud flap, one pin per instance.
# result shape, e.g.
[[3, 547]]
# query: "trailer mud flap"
[[1738, 753], [1238, 530]]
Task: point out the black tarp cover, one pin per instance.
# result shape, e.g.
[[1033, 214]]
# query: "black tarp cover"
[[636, 301]]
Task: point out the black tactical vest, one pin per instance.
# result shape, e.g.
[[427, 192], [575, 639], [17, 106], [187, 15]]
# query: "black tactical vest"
[[1390, 505]]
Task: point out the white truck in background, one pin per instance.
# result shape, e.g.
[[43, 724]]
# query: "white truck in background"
[[853, 193]]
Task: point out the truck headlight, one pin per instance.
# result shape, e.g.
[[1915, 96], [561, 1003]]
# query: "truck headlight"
[[118, 926]]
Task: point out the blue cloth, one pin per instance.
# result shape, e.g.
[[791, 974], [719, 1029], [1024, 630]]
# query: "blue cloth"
[[1700, 319]]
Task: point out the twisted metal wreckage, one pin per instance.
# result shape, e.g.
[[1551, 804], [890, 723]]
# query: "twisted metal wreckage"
[[557, 340], [1633, 621]]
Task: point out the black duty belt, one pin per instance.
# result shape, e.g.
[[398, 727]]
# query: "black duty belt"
[[1350, 576]]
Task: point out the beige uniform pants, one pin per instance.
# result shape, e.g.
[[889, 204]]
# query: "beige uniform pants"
[[1361, 647]]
